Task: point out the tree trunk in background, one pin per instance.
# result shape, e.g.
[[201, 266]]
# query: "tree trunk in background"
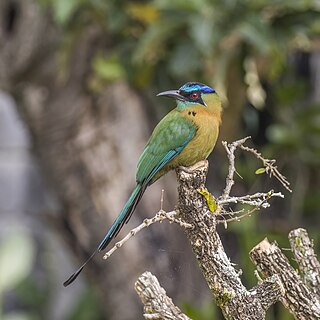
[[88, 147]]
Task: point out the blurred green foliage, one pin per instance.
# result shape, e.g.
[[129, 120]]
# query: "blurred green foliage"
[[207, 312], [19, 284], [168, 41], [14, 268], [87, 308], [163, 43]]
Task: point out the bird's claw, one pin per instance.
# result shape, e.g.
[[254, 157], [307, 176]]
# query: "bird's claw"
[[196, 166], [185, 169]]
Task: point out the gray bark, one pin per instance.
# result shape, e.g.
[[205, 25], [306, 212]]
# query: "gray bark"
[[309, 266], [157, 305], [297, 297], [222, 278]]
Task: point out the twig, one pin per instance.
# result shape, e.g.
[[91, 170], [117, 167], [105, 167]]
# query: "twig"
[[230, 149], [157, 305], [161, 200], [255, 199], [270, 167], [237, 218], [258, 200], [159, 217]]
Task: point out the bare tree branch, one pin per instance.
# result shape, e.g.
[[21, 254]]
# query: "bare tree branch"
[[159, 217], [222, 278], [256, 201], [270, 167], [297, 297], [157, 305], [230, 149], [268, 291], [302, 248]]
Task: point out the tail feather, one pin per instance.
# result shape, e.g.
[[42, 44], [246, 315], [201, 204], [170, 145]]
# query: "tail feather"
[[75, 274], [123, 218]]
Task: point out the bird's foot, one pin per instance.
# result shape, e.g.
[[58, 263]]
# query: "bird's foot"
[[185, 169], [196, 166]]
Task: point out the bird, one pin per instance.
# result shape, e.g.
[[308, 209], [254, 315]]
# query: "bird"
[[185, 136]]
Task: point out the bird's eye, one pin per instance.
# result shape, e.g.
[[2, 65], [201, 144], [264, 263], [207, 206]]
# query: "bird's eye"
[[194, 95]]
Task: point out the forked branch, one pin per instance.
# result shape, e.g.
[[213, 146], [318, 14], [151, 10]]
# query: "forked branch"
[[298, 297]]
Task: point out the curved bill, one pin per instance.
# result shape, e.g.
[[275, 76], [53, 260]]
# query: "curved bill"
[[172, 94]]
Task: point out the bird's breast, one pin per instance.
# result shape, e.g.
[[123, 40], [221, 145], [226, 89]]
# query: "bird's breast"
[[204, 140]]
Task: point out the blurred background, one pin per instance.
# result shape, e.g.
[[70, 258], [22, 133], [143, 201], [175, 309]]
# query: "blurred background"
[[78, 81]]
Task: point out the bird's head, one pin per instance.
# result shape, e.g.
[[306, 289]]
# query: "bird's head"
[[192, 94]]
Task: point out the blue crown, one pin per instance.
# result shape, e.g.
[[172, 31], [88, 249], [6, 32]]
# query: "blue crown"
[[196, 86]]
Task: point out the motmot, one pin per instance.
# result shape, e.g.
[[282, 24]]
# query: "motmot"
[[185, 136]]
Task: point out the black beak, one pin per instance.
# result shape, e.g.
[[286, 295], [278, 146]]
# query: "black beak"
[[172, 94]]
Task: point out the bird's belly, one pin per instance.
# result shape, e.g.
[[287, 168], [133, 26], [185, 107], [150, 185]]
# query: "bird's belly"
[[198, 149], [200, 146]]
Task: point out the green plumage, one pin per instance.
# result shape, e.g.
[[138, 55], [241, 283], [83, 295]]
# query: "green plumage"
[[183, 137], [169, 137]]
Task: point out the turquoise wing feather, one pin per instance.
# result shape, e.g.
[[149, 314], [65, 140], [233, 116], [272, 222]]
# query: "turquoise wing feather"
[[168, 139]]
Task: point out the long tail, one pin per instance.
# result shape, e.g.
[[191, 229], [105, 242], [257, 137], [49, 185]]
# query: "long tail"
[[123, 218]]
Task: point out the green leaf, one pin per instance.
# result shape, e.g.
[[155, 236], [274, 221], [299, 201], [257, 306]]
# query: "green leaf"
[[255, 31], [202, 32], [64, 9], [151, 46], [260, 171], [16, 258], [184, 60], [109, 68], [211, 201], [16, 316]]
